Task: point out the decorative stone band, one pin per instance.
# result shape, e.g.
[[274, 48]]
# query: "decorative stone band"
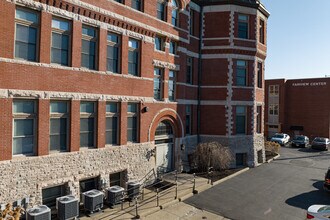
[[162, 64]]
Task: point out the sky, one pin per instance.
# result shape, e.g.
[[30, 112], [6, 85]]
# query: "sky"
[[298, 44]]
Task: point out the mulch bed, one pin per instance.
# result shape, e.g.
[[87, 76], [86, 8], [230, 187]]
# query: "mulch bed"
[[218, 175], [270, 155]]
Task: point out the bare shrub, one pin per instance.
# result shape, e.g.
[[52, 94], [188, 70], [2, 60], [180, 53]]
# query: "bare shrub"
[[211, 154], [272, 147]]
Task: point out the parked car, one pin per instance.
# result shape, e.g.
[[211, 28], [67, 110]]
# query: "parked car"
[[326, 185], [320, 143], [321, 212], [300, 141], [280, 138]]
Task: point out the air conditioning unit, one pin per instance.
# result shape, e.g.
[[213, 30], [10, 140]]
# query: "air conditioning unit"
[[67, 207], [41, 212], [133, 189], [115, 195], [93, 200]]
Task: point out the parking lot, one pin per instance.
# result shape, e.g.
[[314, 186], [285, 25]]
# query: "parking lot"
[[282, 189]]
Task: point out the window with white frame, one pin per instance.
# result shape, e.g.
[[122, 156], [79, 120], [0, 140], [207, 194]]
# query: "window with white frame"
[[113, 53], [273, 109], [273, 90], [159, 43], [262, 31], [240, 119], [87, 124], [188, 119], [259, 114], [175, 13], [59, 114], [260, 74], [173, 47], [137, 4], [27, 32], [61, 34], [112, 123], [241, 73], [243, 26], [25, 127], [133, 57], [158, 83], [161, 5], [132, 122], [171, 85], [88, 47], [189, 70]]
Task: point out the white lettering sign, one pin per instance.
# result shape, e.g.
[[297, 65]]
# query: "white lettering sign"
[[310, 84]]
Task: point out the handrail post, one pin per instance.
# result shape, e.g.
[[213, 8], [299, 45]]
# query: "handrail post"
[[157, 196], [136, 209], [194, 185], [176, 184]]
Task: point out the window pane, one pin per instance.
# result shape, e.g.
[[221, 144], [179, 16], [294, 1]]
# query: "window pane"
[[23, 127], [58, 107], [49, 195], [26, 107], [87, 107], [111, 130], [87, 139], [58, 126], [26, 15], [89, 31], [133, 44], [26, 34], [132, 107], [58, 142], [60, 41], [240, 110], [60, 24], [87, 125], [136, 4], [112, 107], [113, 38], [240, 124], [23, 145]]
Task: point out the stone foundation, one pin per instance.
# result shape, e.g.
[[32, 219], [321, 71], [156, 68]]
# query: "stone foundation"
[[25, 177]]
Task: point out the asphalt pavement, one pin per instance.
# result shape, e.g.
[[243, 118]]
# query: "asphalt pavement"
[[282, 189]]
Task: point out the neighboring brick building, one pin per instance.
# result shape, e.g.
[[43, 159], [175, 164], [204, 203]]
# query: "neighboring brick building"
[[298, 106], [95, 93]]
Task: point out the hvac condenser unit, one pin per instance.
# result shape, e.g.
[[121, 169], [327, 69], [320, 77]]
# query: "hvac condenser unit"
[[67, 207], [93, 200], [41, 212], [115, 195], [133, 189]]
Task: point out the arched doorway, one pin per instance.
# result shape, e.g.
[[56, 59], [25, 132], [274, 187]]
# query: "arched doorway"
[[164, 141]]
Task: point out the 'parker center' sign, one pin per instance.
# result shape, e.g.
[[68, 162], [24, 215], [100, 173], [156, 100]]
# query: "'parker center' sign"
[[310, 84]]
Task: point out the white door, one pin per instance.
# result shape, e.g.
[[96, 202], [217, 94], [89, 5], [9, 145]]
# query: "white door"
[[164, 157]]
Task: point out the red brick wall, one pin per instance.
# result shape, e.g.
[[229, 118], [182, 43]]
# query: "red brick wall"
[[6, 120], [214, 20], [214, 120]]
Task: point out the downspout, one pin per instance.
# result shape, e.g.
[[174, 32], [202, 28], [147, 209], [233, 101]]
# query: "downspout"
[[199, 74]]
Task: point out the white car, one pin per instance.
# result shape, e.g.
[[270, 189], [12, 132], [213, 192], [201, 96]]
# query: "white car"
[[280, 138], [321, 212]]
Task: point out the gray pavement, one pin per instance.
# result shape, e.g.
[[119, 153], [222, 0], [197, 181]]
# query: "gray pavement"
[[282, 189]]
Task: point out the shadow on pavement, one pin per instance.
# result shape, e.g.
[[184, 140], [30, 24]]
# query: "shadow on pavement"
[[305, 200]]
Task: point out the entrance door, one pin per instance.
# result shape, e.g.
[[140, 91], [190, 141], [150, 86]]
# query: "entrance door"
[[164, 147]]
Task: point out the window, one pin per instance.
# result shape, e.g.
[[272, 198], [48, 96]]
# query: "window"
[[191, 22], [117, 179], [171, 85], [133, 57], [241, 75], [241, 159], [188, 119], [273, 109], [27, 27], [132, 122], [240, 120], [89, 184], [119, 1], [189, 74], [243, 26], [262, 31], [260, 75], [158, 83], [273, 90], [49, 195], [88, 47], [161, 10], [137, 4], [113, 53], [259, 112], [112, 122], [87, 124], [175, 13], [60, 41], [159, 43], [58, 126], [24, 135], [173, 47]]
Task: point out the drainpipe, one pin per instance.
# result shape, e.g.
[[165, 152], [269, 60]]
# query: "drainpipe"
[[199, 74]]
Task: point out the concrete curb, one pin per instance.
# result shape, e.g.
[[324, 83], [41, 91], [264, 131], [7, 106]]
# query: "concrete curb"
[[274, 158], [231, 176]]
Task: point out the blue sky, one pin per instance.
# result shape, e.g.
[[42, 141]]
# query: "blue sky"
[[298, 39]]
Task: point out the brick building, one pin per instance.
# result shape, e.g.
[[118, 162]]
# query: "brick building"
[[96, 93], [298, 106]]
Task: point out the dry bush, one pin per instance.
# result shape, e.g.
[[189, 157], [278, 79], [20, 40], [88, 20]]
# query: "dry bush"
[[211, 154], [11, 213], [272, 147]]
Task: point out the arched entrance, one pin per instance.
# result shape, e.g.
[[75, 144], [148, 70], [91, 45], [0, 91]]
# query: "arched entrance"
[[164, 141]]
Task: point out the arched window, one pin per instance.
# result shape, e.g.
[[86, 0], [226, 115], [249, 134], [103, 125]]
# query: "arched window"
[[175, 12], [164, 128]]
